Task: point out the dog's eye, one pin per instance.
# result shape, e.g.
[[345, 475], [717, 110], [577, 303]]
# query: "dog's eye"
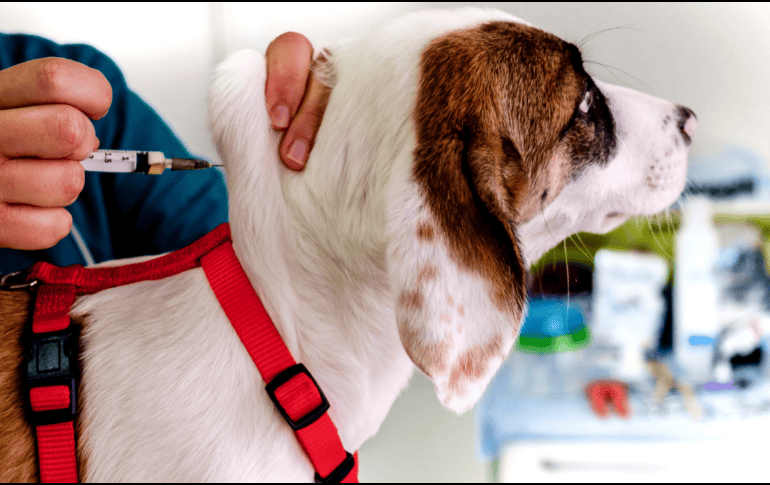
[[588, 99]]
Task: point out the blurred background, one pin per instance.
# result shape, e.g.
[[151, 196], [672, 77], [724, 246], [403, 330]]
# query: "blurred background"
[[636, 363]]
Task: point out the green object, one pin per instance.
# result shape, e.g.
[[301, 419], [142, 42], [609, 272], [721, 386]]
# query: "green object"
[[545, 344]]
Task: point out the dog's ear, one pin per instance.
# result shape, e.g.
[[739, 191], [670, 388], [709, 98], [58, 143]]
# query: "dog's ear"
[[455, 265]]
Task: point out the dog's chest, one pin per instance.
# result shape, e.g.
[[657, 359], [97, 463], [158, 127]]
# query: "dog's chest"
[[165, 389], [171, 394]]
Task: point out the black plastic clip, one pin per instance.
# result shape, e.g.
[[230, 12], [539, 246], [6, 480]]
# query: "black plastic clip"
[[340, 472], [282, 378], [52, 361]]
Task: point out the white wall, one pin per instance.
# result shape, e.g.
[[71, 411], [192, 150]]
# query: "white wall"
[[714, 58], [164, 50]]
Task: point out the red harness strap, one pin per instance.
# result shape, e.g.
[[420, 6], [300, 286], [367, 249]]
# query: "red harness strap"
[[51, 376]]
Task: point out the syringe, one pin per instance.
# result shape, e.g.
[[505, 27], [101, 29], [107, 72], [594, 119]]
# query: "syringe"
[[129, 161]]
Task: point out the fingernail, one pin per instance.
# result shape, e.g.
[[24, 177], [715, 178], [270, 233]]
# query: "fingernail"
[[298, 151], [282, 117]]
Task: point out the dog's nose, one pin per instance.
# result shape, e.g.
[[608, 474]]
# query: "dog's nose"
[[688, 123]]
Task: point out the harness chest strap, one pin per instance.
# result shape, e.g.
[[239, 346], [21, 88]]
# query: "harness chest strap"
[[51, 369]]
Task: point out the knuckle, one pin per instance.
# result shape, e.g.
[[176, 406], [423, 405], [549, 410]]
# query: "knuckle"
[[289, 81], [314, 114], [51, 75], [71, 127], [5, 215], [74, 181], [58, 228]]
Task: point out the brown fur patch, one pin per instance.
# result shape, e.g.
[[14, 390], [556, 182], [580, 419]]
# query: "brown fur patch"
[[18, 451], [430, 358], [450, 300], [411, 300], [461, 310], [473, 365], [426, 273], [18, 458], [496, 141], [425, 231]]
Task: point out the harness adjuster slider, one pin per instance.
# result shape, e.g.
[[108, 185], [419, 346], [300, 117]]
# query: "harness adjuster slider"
[[339, 473], [52, 361], [282, 378]]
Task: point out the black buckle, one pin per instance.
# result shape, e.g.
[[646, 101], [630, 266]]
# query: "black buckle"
[[339, 473], [281, 379], [52, 361]]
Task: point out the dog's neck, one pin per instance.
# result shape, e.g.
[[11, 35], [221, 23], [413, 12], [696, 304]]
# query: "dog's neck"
[[313, 244]]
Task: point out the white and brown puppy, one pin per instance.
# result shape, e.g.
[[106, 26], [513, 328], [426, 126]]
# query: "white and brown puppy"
[[457, 147]]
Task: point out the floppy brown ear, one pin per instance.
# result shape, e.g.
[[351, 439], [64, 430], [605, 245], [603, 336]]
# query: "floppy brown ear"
[[454, 261]]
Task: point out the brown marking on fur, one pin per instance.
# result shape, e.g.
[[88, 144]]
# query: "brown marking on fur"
[[82, 428], [445, 318], [450, 300], [18, 458], [461, 310], [498, 136], [473, 365], [427, 273], [18, 452], [430, 358], [425, 231], [411, 300]]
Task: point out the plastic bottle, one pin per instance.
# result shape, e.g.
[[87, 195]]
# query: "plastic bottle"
[[696, 291]]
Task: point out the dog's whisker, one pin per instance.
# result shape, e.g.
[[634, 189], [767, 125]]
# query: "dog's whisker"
[[590, 37], [584, 249], [611, 73], [566, 267], [608, 67], [661, 246]]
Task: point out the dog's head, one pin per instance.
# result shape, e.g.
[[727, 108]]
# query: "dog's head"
[[516, 147]]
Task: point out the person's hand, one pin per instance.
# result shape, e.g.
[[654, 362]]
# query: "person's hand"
[[45, 130], [296, 100]]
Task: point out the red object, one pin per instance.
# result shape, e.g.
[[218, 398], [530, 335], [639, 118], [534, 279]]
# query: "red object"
[[291, 387], [600, 394]]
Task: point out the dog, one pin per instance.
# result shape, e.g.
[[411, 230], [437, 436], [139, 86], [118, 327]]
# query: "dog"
[[457, 147]]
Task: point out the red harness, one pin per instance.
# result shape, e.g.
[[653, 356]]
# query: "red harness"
[[51, 369]]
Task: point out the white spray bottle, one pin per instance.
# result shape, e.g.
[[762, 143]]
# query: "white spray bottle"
[[696, 291]]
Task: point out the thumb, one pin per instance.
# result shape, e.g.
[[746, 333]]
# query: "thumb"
[[300, 136]]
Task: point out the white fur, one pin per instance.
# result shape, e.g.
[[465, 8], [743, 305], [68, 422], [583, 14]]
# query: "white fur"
[[170, 392], [646, 175]]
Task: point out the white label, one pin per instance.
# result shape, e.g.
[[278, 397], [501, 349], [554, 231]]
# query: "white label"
[[110, 161]]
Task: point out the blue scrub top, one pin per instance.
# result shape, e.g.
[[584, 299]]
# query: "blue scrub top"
[[123, 215]]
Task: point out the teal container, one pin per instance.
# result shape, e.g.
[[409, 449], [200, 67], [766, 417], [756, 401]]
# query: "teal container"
[[552, 326]]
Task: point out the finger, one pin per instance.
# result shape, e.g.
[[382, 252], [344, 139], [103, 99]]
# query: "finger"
[[299, 139], [55, 80], [288, 67], [32, 228], [42, 183], [48, 131]]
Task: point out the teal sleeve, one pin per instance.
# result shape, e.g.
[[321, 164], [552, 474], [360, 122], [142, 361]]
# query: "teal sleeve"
[[124, 215]]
